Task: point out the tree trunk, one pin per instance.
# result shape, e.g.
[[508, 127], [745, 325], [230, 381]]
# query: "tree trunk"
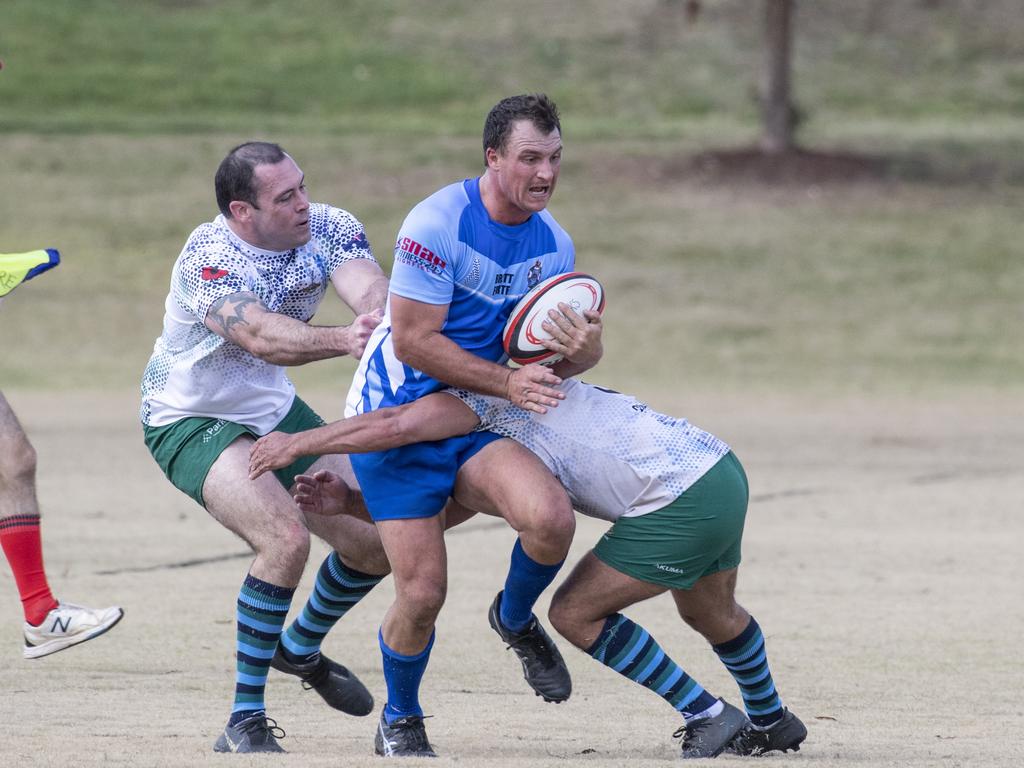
[[777, 112]]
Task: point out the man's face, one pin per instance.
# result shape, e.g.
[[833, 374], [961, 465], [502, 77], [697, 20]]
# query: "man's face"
[[280, 220], [526, 171]]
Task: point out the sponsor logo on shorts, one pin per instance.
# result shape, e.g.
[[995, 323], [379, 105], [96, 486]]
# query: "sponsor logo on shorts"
[[669, 568], [210, 432]]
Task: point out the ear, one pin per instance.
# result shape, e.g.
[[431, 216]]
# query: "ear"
[[241, 211], [493, 157]]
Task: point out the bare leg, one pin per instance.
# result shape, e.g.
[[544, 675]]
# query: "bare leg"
[[592, 593], [355, 540], [586, 611], [415, 548], [49, 626], [710, 607], [506, 479], [261, 512], [17, 467]]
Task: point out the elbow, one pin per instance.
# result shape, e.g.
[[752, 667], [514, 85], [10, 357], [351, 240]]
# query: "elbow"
[[396, 428], [263, 349], [405, 350], [391, 429]]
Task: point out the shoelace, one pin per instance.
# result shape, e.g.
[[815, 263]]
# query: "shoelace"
[[531, 640], [691, 729], [317, 675], [413, 725], [267, 724]]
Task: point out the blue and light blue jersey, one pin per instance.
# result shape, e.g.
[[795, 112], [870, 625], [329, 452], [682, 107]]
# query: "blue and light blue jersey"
[[449, 251]]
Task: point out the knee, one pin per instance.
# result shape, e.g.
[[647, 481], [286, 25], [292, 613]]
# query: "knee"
[[421, 600], [288, 545], [555, 520], [717, 623], [18, 462], [567, 619], [560, 615]]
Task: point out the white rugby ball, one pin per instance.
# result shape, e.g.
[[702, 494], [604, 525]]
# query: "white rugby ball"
[[524, 333]]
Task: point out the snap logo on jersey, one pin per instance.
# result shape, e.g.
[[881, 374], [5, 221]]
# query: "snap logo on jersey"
[[212, 273], [412, 253]]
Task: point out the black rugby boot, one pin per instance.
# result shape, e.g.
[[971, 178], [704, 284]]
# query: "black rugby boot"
[[543, 666], [336, 685]]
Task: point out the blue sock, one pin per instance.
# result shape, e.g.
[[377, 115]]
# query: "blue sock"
[[262, 609], [746, 659], [402, 674], [336, 590], [525, 581], [629, 650]]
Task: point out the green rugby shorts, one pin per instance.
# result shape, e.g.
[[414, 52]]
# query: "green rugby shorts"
[[698, 534], [187, 448]]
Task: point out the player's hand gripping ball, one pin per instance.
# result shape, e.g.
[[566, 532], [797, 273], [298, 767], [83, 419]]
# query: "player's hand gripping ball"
[[524, 333]]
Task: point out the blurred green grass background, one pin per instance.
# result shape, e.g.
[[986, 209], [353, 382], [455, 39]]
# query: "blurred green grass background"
[[114, 115]]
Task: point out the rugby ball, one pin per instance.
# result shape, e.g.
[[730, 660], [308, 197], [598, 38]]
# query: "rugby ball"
[[524, 333]]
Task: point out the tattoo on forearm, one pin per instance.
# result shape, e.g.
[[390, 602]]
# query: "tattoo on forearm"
[[229, 311]]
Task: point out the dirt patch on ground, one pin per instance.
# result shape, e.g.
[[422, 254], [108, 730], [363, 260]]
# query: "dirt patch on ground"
[[796, 166], [800, 168]]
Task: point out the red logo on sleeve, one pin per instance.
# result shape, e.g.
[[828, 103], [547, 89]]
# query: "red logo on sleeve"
[[212, 273]]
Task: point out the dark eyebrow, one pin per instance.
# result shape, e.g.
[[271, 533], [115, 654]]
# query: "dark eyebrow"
[[287, 192], [539, 153]]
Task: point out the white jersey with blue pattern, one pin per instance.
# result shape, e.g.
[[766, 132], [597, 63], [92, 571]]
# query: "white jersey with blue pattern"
[[194, 371], [449, 251], [615, 456]]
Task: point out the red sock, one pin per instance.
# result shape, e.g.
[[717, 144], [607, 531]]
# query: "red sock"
[[21, 542]]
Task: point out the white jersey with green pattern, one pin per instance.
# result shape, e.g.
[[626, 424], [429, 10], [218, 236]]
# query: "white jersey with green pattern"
[[615, 456], [195, 372]]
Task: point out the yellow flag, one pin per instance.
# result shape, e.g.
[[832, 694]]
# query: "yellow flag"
[[16, 268]]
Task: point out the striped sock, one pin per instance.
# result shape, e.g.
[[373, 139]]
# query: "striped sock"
[[22, 544], [747, 660], [629, 650], [402, 675], [262, 609], [525, 581], [336, 590]]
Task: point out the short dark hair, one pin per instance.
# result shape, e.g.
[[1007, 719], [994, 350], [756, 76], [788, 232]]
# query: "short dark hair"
[[535, 107], [234, 175]]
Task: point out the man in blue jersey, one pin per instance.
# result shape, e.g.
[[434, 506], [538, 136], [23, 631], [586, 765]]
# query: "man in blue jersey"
[[676, 496], [463, 258]]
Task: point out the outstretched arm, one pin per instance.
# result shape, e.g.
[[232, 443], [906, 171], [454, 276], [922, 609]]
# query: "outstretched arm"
[[362, 285], [243, 319], [433, 417]]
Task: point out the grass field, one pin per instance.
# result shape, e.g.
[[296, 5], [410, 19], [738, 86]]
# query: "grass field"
[[854, 339], [875, 285], [905, 281]]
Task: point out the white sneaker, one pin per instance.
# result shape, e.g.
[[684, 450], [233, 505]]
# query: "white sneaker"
[[68, 625]]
